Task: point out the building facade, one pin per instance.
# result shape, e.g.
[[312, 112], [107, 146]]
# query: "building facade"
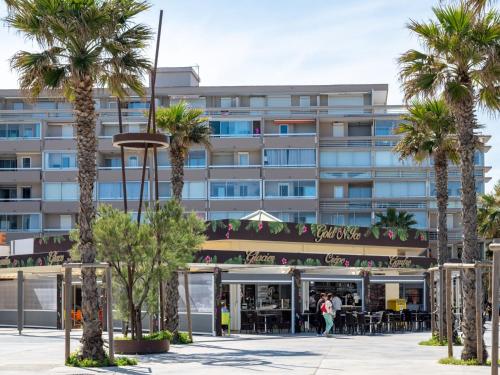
[[305, 153]]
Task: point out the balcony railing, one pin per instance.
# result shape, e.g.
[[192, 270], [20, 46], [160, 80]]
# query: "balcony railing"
[[365, 204], [235, 166]]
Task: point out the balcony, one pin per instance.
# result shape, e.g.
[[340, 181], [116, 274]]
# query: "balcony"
[[346, 142], [235, 172], [236, 143], [347, 204], [60, 207], [20, 175], [114, 174], [19, 205], [290, 140], [20, 144]]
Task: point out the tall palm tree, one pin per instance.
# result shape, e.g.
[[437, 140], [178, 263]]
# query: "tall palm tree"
[[429, 131], [460, 61], [186, 127], [82, 44]]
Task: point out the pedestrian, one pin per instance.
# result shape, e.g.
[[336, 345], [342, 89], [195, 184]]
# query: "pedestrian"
[[337, 304], [319, 315], [327, 310]]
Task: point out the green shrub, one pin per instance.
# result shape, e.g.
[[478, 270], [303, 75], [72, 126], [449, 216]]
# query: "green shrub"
[[183, 338], [161, 335], [434, 341], [75, 360], [461, 362]]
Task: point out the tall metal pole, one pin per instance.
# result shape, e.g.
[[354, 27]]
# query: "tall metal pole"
[[449, 316], [433, 304], [495, 276], [20, 301], [122, 157], [150, 116], [441, 302], [188, 305]]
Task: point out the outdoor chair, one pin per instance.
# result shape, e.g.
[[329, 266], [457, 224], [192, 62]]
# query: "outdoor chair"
[[350, 323]]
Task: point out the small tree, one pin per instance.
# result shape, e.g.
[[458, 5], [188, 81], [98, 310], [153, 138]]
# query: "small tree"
[[139, 260]]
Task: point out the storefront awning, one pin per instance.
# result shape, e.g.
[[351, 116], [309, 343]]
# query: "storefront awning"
[[329, 277], [252, 278], [397, 279]]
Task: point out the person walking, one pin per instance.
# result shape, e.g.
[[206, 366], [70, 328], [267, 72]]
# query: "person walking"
[[327, 310], [319, 315]]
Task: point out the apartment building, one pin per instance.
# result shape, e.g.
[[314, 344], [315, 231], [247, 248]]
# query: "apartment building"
[[305, 153]]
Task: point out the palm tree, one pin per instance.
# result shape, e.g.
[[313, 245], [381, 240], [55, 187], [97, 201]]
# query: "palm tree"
[[394, 219], [186, 127], [460, 61], [83, 44], [489, 214], [429, 131]]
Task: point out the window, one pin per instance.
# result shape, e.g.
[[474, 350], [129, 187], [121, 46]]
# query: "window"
[[343, 102], [26, 192], [133, 161], [243, 158], [227, 102], [292, 189], [399, 189], [26, 162], [235, 189], [164, 190], [67, 131], [163, 159], [359, 130], [386, 127], [290, 157], [60, 191], [196, 159], [283, 191], [359, 219], [360, 191], [56, 160], [13, 131], [449, 221], [392, 159], [113, 190], [338, 191], [305, 101], [194, 190], [8, 193], [283, 129], [303, 217], [8, 164], [65, 222], [338, 129], [113, 162], [333, 219], [25, 222], [345, 159], [232, 128]]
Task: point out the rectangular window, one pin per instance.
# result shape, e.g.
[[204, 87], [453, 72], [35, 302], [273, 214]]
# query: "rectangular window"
[[196, 159], [60, 191], [56, 160], [346, 104], [234, 189], [243, 158], [26, 162], [305, 101], [303, 217], [227, 102], [8, 164], [221, 215], [65, 222], [338, 129], [20, 131], [67, 131], [112, 162], [338, 191], [232, 128], [386, 127], [359, 219], [133, 161], [194, 190], [164, 190], [392, 159], [283, 129], [290, 189], [333, 219], [360, 192], [290, 157], [399, 189], [26, 192], [113, 190], [345, 159]]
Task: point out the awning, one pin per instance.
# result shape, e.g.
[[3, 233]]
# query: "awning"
[[252, 278], [396, 279], [294, 121], [330, 277]]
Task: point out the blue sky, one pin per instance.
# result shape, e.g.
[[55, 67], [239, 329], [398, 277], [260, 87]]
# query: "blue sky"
[[283, 42]]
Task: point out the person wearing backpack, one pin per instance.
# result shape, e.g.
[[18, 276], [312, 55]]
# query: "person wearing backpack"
[[320, 328], [327, 310]]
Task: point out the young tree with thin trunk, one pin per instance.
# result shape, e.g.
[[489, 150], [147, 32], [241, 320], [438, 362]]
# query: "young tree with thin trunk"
[[186, 127], [82, 44], [460, 61]]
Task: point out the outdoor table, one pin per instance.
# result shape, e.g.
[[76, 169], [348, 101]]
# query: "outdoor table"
[[265, 315]]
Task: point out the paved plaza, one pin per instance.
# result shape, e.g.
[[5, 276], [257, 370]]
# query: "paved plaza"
[[41, 352]]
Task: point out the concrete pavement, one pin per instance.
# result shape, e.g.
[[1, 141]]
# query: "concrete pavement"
[[42, 351]]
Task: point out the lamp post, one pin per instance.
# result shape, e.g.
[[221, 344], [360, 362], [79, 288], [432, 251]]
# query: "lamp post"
[[495, 275]]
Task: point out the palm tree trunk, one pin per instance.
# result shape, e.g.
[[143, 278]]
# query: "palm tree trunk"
[[172, 285], [466, 124], [92, 343], [441, 172]]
